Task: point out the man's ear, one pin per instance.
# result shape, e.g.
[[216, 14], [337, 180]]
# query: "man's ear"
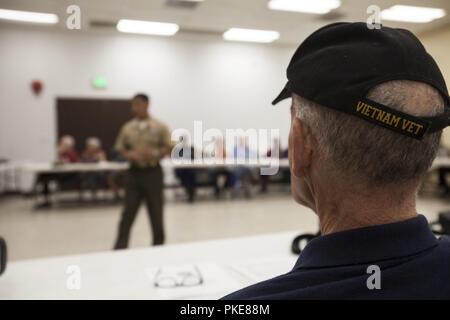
[[301, 148]]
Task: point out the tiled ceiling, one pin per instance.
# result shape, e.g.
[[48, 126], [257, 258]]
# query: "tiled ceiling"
[[215, 16]]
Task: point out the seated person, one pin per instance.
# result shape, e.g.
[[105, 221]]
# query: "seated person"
[[93, 153], [443, 173], [242, 174], [358, 148], [116, 179], [274, 151], [221, 176], [66, 154], [66, 150], [187, 176], [285, 172]]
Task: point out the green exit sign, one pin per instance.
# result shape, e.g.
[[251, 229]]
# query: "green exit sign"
[[100, 82]]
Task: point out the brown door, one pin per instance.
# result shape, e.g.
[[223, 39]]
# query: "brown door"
[[83, 118]]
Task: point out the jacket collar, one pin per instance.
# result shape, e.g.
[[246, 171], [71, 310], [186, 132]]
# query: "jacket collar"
[[368, 244]]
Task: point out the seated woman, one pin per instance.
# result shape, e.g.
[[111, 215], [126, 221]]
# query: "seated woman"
[[66, 154], [444, 171], [93, 153], [66, 150], [242, 175], [116, 179], [187, 176], [222, 177]]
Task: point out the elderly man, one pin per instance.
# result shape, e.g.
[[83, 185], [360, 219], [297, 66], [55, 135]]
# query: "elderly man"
[[368, 109]]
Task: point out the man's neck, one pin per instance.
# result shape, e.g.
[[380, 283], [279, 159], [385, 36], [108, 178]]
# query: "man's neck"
[[347, 208]]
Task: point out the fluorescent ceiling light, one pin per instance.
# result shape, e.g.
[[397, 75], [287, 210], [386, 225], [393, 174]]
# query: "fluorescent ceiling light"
[[307, 6], [28, 16], [147, 27], [412, 14], [250, 35]]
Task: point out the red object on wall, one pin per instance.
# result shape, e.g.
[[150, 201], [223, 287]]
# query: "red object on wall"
[[37, 86]]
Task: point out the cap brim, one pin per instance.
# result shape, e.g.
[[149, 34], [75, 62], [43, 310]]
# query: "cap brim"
[[284, 94]]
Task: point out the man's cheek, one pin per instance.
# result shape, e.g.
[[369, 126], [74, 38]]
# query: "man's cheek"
[[290, 148], [296, 190], [301, 193]]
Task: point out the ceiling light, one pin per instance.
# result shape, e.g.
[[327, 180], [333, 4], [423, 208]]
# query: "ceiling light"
[[28, 16], [412, 14], [250, 35], [307, 6], [147, 27]]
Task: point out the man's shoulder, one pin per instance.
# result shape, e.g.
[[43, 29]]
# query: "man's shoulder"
[[437, 260], [127, 125], [445, 240], [271, 289], [444, 247], [156, 122], [350, 281]]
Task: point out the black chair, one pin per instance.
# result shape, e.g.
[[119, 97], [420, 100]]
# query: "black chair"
[[300, 241], [3, 255], [439, 227], [442, 225]]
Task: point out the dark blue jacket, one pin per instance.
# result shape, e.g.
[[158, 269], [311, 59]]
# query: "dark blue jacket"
[[413, 264]]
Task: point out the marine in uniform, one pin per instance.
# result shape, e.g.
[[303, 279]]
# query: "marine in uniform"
[[143, 141]]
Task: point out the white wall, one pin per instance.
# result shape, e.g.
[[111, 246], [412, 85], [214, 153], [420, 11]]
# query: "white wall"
[[438, 45], [227, 85]]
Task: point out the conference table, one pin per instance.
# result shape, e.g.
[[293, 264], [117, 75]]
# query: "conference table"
[[47, 167], [30, 171], [225, 265]]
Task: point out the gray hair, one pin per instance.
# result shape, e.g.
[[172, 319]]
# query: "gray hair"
[[94, 142], [354, 148]]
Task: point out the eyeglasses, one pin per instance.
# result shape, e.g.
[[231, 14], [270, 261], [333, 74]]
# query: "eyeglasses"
[[180, 279]]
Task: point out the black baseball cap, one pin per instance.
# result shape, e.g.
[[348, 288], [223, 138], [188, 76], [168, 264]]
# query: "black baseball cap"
[[338, 64]]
